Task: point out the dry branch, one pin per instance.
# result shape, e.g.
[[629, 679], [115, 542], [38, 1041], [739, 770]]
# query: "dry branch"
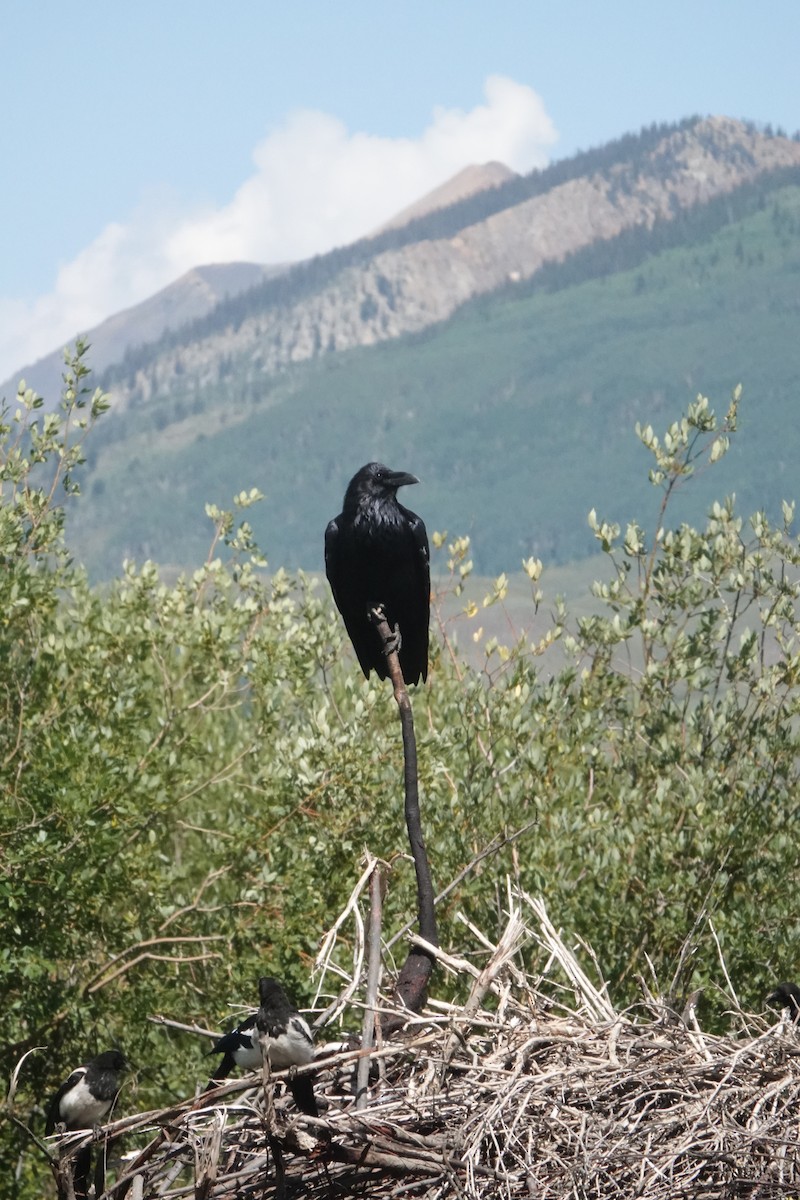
[[373, 981], [412, 983]]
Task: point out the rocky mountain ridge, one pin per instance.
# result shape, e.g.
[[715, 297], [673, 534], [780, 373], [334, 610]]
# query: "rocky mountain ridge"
[[406, 290], [200, 290], [518, 411], [468, 182], [192, 295]]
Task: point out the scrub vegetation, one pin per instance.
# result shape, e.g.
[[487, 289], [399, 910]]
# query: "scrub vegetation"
[[191, 770]]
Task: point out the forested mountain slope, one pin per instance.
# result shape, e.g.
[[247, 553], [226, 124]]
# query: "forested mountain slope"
[[517, 414]]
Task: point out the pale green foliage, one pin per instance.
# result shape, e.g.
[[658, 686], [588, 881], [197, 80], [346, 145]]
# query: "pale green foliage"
[[690, 678], [190, 771]]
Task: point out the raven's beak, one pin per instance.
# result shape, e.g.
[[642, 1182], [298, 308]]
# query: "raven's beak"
[[398, 479]]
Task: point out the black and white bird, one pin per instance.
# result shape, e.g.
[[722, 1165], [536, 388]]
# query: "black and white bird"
[[376, 553], [83, 1101], [788, 996], [87, 1096], [287, 1038]]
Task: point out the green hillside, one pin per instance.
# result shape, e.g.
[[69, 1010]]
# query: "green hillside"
[[518, 414]]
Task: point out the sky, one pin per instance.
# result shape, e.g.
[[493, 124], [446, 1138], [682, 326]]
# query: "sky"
[[140, 140]]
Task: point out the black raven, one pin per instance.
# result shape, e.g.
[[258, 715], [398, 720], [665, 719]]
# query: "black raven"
[[376, 553], [788, 996], [288, 1041]]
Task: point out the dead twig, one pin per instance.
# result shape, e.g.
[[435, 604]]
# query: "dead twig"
[[373, 981]]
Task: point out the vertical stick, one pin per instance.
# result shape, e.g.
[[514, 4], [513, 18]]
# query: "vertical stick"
[[373, 980], [416, 971]]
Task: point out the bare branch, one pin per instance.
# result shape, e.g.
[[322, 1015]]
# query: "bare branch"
[[373, 981], [412, 982]]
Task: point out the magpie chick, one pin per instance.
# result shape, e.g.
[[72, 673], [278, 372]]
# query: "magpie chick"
[[788, 996], [87, 1096], [288, 1040], [82, 1102]]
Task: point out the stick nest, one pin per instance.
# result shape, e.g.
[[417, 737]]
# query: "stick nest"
[[511, 1094]]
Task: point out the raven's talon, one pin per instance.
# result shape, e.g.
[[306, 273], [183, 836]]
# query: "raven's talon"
[[392, 644]]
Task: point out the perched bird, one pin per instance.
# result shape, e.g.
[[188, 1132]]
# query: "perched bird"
[[86, 1097], [788, 996], [82, 1102], [376, 553], [288, 1040]]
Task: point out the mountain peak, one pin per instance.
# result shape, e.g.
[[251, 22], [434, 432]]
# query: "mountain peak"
[[467, 182]]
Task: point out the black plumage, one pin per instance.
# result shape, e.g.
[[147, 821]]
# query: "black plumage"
[[788, 996], [87, 1096], [84, 1100], [289, 1043], [376, 553]]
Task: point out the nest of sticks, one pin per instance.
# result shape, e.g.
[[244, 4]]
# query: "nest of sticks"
[[512, 1094]]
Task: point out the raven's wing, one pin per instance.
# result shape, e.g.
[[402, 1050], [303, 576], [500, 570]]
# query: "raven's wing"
[[347, 594], [332, 559], [417, 603], [54, 1109]]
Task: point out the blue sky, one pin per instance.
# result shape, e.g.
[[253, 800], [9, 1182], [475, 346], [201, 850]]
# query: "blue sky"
[[140, 139]]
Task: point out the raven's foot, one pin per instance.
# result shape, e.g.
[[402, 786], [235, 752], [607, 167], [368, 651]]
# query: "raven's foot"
[[376, 613], [392, 644]]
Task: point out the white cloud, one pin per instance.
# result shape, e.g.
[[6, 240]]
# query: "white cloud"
[[315, 186]]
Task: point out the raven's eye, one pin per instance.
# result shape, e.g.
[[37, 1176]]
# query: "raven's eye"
[[379, 474]]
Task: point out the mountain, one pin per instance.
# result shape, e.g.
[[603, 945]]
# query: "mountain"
[[464, 184], [378, 290], [200, 290], [193, 295], [667, 264]]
